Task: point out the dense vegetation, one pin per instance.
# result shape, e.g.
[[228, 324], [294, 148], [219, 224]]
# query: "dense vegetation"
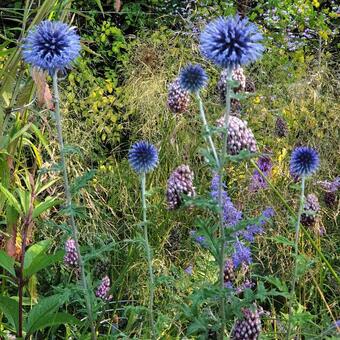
[[161, 234]]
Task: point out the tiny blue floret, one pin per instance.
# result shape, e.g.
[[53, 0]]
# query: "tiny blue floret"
[[304, 161], [193, 78], [143, 156], [241, 254], [51, 46], [231, 41]]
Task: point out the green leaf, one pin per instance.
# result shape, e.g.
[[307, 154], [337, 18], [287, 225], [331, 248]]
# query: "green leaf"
[[43, 206], [41, 138], [7, 262], [43, 261], [24, 197], [11, 199], [33, 251], [53, 320], [10, 308], [81, 182], [41, 315], [283, 240]]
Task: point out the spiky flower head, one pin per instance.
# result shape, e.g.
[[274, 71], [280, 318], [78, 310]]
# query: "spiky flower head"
[[143, 156], [193, 78], [51, 46], [103, 289], [231, 41], [178, 99], [71, 255], [304, 161]]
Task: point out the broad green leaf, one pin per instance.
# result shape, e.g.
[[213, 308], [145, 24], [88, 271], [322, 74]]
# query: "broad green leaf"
[[24, 197], [50, 320], [45, 307], [39, 189], [41, 138], [43, 206], [11, 199], [20, 132], [10, 308], [7, 262], [33, 251], [43, 261]]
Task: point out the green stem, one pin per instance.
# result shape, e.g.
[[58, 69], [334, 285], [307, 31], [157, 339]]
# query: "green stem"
[[296, 252], [304, 230], [206, 127], [149, 258], [220, 202], [67, 190]]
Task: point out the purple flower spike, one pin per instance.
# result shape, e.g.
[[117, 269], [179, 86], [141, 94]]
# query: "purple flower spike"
[[71, 255], [103, 289]]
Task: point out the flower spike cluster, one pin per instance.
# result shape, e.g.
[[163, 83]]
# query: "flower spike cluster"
[[51, 46], [143, 156], [231, 41]]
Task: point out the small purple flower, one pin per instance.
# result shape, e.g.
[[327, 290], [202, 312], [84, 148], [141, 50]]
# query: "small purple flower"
[[71, 255], [103, 289], [189, 270], [268, 213], [257, 181], [198, 238], [241, 254], [231, 215]]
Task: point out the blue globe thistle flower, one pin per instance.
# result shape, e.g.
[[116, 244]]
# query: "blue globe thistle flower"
[[143, 156], [304, 161], [231, 41], [241, 254], [193, 78], [51, 46]]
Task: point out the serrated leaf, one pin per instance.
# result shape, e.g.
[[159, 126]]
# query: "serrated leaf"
[[11, 199], [7, 262], [10, 308], [71, 149], [44, 309], [82, 181], [243, 155], [283, 240]]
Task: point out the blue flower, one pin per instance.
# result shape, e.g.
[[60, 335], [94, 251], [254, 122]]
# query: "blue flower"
[[230, 214], [51, 46], [231, 41], [304, 161], [241, 254], [193, 78], [143, 156]]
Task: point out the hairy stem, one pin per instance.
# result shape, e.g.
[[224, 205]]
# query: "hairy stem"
[[220, 202], [149, 258], [67, 190], [206, 127], [296, 252]]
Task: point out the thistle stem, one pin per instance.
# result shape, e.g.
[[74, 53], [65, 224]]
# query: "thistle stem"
[[206, 127], [220, 202], [149, 258], [67, 190], [296, 252]]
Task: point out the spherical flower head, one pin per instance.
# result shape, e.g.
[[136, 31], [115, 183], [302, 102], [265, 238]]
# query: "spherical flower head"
[[193, 78], [231, 41], [143, 156], [304, 161], [51, 46]]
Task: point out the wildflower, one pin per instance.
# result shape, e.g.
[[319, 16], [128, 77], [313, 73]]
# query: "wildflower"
[[103, 289], [238, 75], [231, 41], [193, 78], [198, 238], [143, 156], [257, 181], [230, 214], [330, 194], [281, 129], [189, 270], [178, 99], [249, 327], [179, 183], [229, 273], [240, 137], [51, 46], [71, 255], [241, 254], [304, 161]]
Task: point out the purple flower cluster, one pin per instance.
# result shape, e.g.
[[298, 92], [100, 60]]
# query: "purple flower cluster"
[[198, 238], [241, 255], [71, 255], [103, 289], [257, 181], [231, 215]]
